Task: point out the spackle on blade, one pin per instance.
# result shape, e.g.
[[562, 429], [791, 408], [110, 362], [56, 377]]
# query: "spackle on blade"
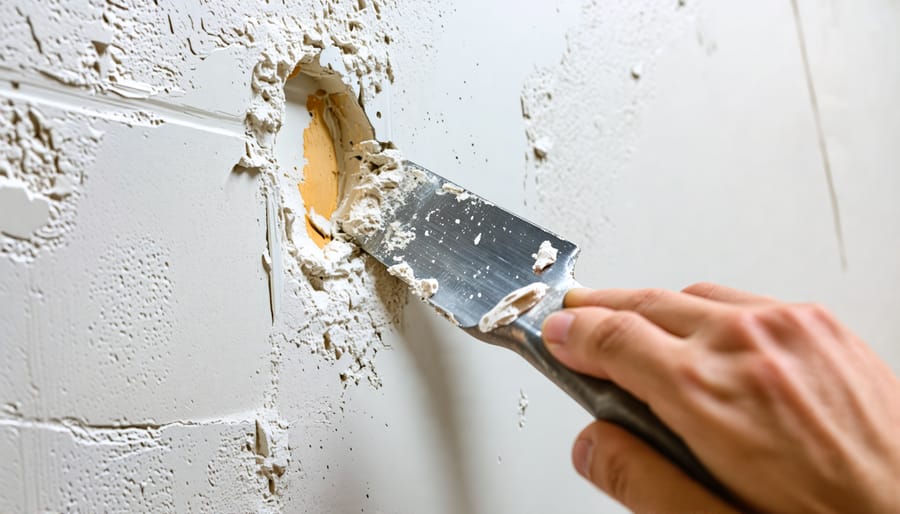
[[544, 258], [399, 237], [423, 288], [460, 193], [512, 306]]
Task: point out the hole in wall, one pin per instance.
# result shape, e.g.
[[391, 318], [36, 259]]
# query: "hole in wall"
[[321, 122]]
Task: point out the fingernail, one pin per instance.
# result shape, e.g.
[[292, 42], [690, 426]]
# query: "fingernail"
[[556, 327], [581, 457]]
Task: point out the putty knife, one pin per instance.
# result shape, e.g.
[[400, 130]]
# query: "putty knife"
[[479, 253]]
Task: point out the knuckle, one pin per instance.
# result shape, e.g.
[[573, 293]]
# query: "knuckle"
[[819, 314], [764, 373], [790, 321], [610, 333], [645, 299], [812, 323], [688, 373], [777, 318], [793, 315], [741, 329]]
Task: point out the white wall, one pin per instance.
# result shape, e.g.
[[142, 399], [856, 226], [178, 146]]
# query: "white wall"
[[140, 367]]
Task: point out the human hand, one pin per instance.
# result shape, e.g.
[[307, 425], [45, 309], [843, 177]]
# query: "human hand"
[[787, 407]]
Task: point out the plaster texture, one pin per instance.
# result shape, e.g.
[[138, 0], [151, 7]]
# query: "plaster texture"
[[171, 340]]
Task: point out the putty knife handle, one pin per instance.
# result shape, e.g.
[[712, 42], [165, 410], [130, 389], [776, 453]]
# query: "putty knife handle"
[[608, 402]]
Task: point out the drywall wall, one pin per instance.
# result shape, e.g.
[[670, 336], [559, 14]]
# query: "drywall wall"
[[172, 339]]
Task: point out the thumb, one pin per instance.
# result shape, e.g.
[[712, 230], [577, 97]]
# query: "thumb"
[[638, 477]]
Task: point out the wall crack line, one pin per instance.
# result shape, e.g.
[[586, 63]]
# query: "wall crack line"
[[820, 135]]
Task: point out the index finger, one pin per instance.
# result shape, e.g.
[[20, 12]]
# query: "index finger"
[[725, 294], [678, 313], [621, 346]]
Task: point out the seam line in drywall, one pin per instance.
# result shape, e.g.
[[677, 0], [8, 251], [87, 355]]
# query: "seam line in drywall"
[[71, 424], [820, 135], [99, 105]]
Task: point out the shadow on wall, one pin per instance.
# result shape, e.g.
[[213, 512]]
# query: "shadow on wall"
[[421, 328], [436, 372]]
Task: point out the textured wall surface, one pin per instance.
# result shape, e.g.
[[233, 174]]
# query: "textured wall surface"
[[171, 340]]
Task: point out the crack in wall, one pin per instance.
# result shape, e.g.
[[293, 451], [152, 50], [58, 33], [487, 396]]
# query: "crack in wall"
[[820, 137]]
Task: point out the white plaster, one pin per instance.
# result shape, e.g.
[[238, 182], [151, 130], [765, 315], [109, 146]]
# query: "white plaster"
[[460, 193], [320, 223], [422, 287], [399, 237], [513, 305], [523, 407], [544, 257]]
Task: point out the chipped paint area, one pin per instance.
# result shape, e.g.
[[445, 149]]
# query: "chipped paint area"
[[44, 155]]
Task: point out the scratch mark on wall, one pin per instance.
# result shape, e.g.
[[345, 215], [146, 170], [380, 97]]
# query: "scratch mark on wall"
[[820, 135]]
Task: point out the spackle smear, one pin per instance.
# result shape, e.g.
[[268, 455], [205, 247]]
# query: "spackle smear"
[[512, 306]]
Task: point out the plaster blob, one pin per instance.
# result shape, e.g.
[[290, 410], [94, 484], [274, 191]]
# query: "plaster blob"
[[376, 188], [512, 306], [544, 258], [423, 288]]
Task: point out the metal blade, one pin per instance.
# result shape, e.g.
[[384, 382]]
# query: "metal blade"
[[477, 251]]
